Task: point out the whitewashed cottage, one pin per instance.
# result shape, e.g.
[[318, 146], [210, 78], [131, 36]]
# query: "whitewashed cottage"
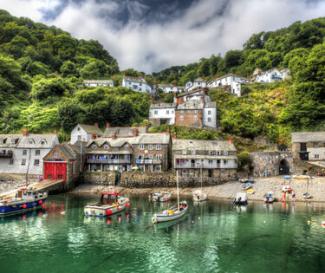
[[231, 81], [271, 75], [198, 83], [137, 84], [85, 133], [23, 153], [98, 83]]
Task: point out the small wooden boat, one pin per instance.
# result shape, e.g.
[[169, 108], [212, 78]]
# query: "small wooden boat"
[[287, 188], [22, 201], [199, 196], [171, 213], [269, 198], [241, 199], [110, 203], [247, 185], [160, 196], [307, 195]]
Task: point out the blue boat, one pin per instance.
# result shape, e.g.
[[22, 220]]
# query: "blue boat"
[[22, 201]]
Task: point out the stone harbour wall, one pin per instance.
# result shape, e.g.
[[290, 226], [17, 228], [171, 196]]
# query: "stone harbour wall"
[[100, 178]]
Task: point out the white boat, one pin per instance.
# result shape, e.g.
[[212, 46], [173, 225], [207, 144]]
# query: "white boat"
[[199, 196], [172, 213], [241, 198], [110, 203], [160, 196]]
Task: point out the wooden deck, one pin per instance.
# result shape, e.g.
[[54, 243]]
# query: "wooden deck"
[[47, 185]]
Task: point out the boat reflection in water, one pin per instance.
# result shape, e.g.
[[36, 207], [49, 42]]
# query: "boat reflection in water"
[[41, 212], [116, 219], [168, 224]]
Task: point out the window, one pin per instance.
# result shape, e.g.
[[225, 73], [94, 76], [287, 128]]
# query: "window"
[[150, 147], [210, 162], [209, 119], [209, 112], [213, 153], [158, 147], [167, 112], [94, 146], [106, 146], [141, 146], [24, 152], [23, 162], [37, 152], [316, 156], [218, 161], [11, 162], [36, 162], [156, 112], [225, 161]]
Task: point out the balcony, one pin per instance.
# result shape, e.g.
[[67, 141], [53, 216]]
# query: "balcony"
[[148, 161], [109, 161], [6, 154]]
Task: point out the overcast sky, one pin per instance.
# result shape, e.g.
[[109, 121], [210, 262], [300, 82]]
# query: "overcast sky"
[[150, 35]]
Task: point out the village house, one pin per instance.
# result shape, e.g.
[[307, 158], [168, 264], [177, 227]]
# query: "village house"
[[105, 154], [64, 162], [137, 84], [191, 109], [271, 75], [84, 133], [162, 113], [230, 82], [308, 146], [151, 152], [198, 83], [23, 153], [169, 88], [97, 83], [206, 159], [146, 152]]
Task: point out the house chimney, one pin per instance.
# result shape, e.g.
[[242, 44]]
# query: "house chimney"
[[96, 124], [135, 131], [230, 140], [94, 136], [107, 124], [25, 132]]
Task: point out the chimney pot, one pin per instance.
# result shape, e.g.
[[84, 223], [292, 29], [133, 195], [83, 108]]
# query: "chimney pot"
[[107, 125], [25, 132], [96, 124]]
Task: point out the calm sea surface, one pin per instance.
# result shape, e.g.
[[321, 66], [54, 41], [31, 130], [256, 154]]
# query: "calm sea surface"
[[214, 237]]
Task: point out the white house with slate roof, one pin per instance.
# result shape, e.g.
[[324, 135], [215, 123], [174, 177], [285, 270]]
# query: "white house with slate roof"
[[198, 83], [271, 75], [233, 82], [97, 83], [137, 84], [23, 153], [85, 133]]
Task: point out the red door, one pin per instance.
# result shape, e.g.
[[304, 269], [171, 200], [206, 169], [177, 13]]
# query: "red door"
[[55, 170]]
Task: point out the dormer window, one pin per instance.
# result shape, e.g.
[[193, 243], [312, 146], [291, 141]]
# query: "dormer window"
[[106, 146], [31, 141], [93, 146], [43, 141]]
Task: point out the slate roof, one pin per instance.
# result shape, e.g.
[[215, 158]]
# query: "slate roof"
[[123, 131], [91, 129], [28, 141], [210, 145], [303, 137]]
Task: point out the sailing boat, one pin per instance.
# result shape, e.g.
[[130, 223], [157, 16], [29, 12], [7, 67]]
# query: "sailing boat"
[[172, 213], [199, 195]]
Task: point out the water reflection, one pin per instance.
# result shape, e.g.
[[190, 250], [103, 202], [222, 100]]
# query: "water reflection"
[[212, 237]]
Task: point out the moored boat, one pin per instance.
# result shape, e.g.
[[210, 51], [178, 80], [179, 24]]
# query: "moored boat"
[[22, 201], [241, 199], [160, 196], [269, 198], [171, 213], [199, 196], [110, 203]]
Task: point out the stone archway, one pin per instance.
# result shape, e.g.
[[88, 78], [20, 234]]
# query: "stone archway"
[[284, 167]]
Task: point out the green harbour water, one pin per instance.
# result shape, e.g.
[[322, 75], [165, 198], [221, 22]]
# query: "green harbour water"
[[214, 237]]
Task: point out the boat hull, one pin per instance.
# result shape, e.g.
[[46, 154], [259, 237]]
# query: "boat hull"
[[106, 210], [160, 217], [21, 207]]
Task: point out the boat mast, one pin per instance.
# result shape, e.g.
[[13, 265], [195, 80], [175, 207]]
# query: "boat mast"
[[201, 175], [177, 189]]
